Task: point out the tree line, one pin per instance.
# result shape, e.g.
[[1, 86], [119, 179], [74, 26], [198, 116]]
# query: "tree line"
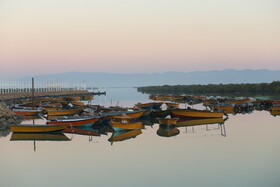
[[221, 89]]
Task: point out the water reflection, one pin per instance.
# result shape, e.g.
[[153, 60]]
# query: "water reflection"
[[124, 135], [167, 130]]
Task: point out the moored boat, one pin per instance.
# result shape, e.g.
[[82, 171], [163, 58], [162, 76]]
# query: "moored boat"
[[86, 121], [27, 112], [146, 106], [64, 112], [172, 105], [118, 126], [38, 128], [192, 113]]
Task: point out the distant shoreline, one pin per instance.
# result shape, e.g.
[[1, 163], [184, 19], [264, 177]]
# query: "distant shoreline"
[[270, 89]]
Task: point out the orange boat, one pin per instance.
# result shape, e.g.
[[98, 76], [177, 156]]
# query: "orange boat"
[[38, 128], [172, 105], [27, 112], [74, 121], [119, 126], [64, 112], [192, 113], [124, 135]]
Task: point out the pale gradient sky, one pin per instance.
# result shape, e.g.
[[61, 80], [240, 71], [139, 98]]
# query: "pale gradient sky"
[[132, 36]]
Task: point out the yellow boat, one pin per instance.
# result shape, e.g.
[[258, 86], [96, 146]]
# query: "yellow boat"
[[64, 112], [239, 101], [118, 126], [38, 128], [275, 108], [124, 135], [192, 113], [275, 112], [172, 105], [184, 123], [39, 137], [167, 121]]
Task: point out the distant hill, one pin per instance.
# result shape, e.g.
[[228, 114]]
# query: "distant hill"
[[167, 78]]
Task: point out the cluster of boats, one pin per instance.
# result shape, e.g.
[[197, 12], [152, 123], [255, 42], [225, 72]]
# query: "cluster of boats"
[[75, 115]]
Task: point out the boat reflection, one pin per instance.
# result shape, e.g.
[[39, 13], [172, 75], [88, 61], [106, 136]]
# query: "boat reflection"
[[118, 136], [38, 137], [275, 113], [167, 130], [199, 122]]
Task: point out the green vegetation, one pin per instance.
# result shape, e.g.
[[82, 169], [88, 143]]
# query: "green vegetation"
[[221, 89]]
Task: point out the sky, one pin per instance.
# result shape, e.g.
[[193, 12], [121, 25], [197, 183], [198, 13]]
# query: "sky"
[[132, 36]]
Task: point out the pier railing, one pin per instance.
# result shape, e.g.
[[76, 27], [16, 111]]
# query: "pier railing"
[[39, 86]]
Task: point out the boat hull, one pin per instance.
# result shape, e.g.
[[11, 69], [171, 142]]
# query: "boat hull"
[[63, 112], [118, 126], [196, 114], [38, 128]]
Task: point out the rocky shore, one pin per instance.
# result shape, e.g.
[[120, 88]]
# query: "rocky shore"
[[7, 118]]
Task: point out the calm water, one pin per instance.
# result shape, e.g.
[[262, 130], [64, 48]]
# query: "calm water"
[[247, 156]]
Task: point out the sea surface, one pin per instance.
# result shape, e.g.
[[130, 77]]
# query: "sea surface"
[[244, 151]]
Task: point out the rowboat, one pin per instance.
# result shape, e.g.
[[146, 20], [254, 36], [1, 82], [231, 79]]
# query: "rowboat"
[[161, 113], [27, 112], [167, 121], [157, 105], [64, 112], [192, 113], [172, 105], [37, 128], [239, 101], [87, 121], [275, 108], [38, 137], [119, 126], [124, 135], [82, 131], [146, 106], [132, 114]]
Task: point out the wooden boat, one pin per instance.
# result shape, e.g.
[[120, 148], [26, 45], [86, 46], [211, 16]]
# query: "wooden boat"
[[118, 126], [192, 113], [64, 112], [172, 105], [38, 128], [146, 106], [131, 114], [38, 137], [157, 105], [74, 121], [160, 113], [185, 123], [27, 112], [275, 112], [239, 101], [167, 121], [82, 131], [124, 135], [275, 108], [167, 131]]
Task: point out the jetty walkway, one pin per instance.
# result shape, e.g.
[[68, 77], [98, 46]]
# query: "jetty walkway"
[[13, 91]]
